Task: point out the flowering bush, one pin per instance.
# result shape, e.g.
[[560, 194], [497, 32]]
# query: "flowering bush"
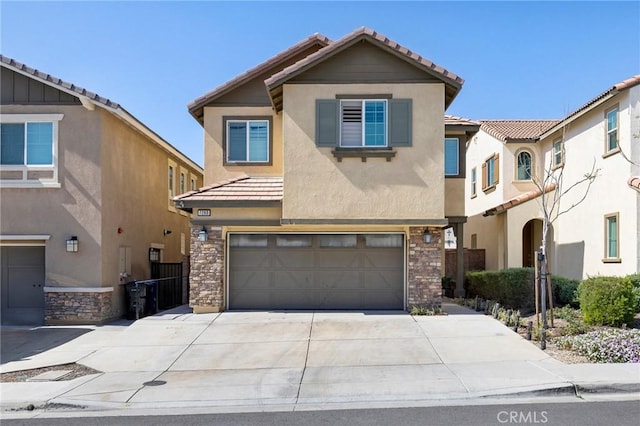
[[608, 345]]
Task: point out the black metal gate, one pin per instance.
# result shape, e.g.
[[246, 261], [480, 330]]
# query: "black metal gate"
[[169, 276]]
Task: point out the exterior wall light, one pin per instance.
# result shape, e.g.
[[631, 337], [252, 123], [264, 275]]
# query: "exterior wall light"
[[203, 235], [72, 244], [427, 237]]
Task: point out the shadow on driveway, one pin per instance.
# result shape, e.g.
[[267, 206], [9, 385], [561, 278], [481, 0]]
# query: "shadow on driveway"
[[18, 343]]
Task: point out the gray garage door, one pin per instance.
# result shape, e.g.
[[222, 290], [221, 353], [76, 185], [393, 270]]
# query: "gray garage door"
[[338, 271], [21, 285]]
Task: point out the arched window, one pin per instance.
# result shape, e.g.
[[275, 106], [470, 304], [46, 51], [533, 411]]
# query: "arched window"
[[524, 165]]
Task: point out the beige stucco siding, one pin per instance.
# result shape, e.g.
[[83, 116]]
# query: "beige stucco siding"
[[480, 147], [583, 227], [454, 197], [73, 209], [317, 186], [215, 169], [135, 173]]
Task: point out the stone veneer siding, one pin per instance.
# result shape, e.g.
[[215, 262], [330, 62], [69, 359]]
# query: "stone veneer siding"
[[206, 279], [424, 268], [74, 307]]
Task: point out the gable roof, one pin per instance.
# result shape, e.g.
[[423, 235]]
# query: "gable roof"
[[598, 100], [241, 189], [453, 83], [517, 130], [196, 107], [89, 100]]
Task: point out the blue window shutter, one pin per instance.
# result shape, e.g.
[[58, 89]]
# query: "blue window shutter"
[[327, 123], [400, 122]]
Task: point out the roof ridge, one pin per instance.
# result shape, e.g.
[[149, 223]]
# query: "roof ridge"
[[255, 70]]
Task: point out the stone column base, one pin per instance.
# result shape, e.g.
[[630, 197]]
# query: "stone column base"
[[78, 305]]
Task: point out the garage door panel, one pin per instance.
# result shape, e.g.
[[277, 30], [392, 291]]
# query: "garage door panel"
[[318, 272]]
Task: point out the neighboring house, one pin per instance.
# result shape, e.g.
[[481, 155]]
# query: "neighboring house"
[[330, 174], [599, 235], [84, 202]]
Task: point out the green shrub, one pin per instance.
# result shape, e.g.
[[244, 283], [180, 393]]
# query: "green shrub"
[[607, 300], [635, 281], [565, 291], [512, 288]]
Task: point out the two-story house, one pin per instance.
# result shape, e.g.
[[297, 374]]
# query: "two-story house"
[[600, 235], [326, 183], [85, 200]]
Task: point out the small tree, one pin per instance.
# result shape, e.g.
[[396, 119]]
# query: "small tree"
[[553, 190]]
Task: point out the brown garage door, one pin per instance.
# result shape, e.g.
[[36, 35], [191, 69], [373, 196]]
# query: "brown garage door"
[[300, 271], [21, 285]]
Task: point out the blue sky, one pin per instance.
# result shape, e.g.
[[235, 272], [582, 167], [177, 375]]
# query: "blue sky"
[[518, 59]]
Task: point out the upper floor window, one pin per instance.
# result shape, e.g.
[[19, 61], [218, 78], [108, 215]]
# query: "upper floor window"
[[170, 182], [183, 183], [247, 140], [451, 156], [363, 123], [29, 149], [558, 153], [490, 172], [523, 171], [612, 130], [474, 180], [193, 185]]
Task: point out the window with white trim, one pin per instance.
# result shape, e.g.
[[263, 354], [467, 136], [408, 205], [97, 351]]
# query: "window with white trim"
[[490, 172], [612, 129], [247, 141], [363, 123], [451, 156], [523, 167], [29, 150], [558, 153], [171, 183], [612, 237], [474, 180]]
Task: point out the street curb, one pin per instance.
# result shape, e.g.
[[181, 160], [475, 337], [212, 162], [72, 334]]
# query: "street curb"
[[606, 388]]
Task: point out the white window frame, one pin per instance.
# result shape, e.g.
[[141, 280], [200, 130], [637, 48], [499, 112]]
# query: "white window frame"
[[171, 183], [52, 182], [608, 131], [607, 240], [363, 123], [248, 142], [474, 182], [457, 141], [555, 152], [517, 174]]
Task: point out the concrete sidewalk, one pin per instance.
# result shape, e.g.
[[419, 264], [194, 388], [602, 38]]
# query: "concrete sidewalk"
[[237, 361]]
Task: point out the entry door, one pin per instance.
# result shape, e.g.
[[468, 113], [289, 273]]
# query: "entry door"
[[23, 273]]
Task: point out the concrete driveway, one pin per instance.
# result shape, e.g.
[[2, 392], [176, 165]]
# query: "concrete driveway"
[[297, 360]]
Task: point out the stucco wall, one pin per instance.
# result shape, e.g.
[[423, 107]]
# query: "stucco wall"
[[480, 147], [135, 175], [490, 236], [317, 186], [73, 209], [454, 201], [584, 224], [215, 169]]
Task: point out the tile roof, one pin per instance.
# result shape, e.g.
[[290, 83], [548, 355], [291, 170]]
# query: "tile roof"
[[87, 97], [634, 182], [453, 81], [55, 81], [517, 130], [241, 188], [452, 120], [196, 106], [610, 92], [524, 197]]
